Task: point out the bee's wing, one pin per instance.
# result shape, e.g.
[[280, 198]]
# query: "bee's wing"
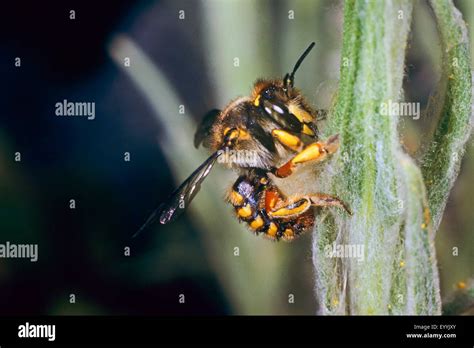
[[183, 195], [204, 128]]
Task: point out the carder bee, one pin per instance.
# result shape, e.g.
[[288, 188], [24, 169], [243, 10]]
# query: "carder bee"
[[277, 125]]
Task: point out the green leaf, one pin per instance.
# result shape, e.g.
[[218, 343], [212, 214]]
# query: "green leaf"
[[381, 184], [451, 106]]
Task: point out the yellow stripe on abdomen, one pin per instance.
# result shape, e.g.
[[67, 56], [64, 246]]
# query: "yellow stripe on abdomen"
[[256, 223], [245, 211]]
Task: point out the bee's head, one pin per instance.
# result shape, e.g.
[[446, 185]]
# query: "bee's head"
[[270, 90]]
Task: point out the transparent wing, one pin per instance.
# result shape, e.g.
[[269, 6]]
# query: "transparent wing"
[[182, 196], [204, 129]]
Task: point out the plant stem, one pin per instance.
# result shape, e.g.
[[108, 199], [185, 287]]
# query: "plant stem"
[[451, 106], [390, 218]]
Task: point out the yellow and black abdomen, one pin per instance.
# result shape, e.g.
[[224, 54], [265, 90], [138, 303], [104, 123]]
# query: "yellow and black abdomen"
[[253, 197]]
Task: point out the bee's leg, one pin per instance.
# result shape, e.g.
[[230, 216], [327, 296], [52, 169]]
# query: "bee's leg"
[[321, 114], [324, 200], [294, 207], [287, 139], [317, 151], [290, 208]]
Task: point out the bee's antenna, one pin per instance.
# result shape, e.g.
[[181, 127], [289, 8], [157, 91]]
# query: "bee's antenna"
[[290, 78]]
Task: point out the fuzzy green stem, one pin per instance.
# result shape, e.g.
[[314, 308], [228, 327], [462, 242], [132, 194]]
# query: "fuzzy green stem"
[[387, 198], [451, 106]]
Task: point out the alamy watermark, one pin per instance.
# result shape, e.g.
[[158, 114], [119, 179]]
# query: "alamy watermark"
[[400, 109], [28, 330], [241, 157], [22, 251], [67, 108], [345, 251]]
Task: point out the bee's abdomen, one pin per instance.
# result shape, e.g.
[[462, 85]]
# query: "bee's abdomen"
[[247, 196]]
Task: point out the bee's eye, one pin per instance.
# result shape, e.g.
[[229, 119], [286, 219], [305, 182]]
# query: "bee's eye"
[[269, 93]]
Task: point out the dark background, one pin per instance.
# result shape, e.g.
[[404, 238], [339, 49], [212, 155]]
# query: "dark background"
[[81, 251]]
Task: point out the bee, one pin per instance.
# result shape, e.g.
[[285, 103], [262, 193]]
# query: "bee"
[[278, 127]]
